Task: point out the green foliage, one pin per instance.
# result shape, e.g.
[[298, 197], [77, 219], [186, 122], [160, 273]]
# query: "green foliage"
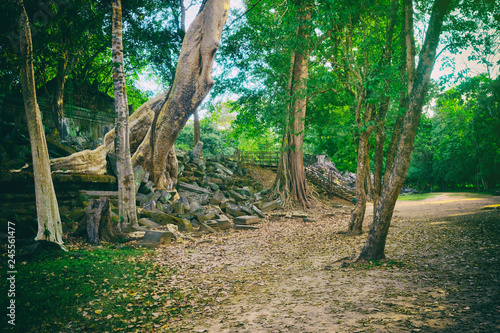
[[459, 145], [215, 141], [80, 31]]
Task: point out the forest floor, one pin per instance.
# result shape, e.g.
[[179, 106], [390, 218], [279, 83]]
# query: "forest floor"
[[442, 273]]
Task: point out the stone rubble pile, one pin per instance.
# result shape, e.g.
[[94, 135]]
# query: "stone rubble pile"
[[325, 175], [212, 194]]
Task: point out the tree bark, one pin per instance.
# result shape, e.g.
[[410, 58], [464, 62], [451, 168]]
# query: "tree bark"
[[382, 110], [125, 173], [290, 181], [358, 214], [49, 221], [197, 133], [64, 68], [191, 84], [407, 72], [374, 247], [363, 168], [379, 158], [156, 124], [98, 222], [58, 95]]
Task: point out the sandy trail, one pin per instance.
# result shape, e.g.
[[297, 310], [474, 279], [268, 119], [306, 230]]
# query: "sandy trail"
[[442, 277]]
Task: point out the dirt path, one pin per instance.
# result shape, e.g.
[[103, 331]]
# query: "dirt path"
[[442, 277], [440, 205]]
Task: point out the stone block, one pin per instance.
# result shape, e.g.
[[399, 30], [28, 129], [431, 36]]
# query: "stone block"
[[246, 220], [237, 196], [146, 188], [193, 188], [148, 223], [195, 207], [223, 224], [258, 212], [269, 206], [157, 237], [185, 225], [205, 228], [158, 217]]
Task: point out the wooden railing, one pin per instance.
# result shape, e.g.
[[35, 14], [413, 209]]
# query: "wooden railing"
[[263, 158], [267, 158]]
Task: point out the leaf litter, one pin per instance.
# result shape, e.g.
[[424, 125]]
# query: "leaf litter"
[[438, 277]]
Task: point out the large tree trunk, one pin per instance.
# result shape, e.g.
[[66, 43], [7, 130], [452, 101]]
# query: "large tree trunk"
[[49, 221], [375, 245], [125, 173], [156, 124], [290, 180], [191, 84]]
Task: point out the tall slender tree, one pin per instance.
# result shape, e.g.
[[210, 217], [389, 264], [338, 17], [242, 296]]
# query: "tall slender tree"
[[125, 173], [49, 220], [374, 247]]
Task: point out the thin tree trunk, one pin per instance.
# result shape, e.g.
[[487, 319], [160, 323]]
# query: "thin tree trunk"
[[410, 43], [358, 214], [58, 95], [125, 173], [374, 247], [290, 180], [363, 168], [382, 110], [379, 152], [368, 176], [49, 221], [407, 72], [391, 151], [197, 133]]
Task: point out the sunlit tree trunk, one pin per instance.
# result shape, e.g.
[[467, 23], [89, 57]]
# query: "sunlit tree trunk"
[[125, 173], [49, 221], [375, 244]]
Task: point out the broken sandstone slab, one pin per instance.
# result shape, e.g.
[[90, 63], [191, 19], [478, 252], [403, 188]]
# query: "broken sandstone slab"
[[246, 220], [193, 188], [157, 237], [148, 223]]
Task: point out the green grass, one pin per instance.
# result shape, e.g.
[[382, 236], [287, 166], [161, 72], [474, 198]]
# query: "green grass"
[[101, 290], [379, 264], [416, 197]]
